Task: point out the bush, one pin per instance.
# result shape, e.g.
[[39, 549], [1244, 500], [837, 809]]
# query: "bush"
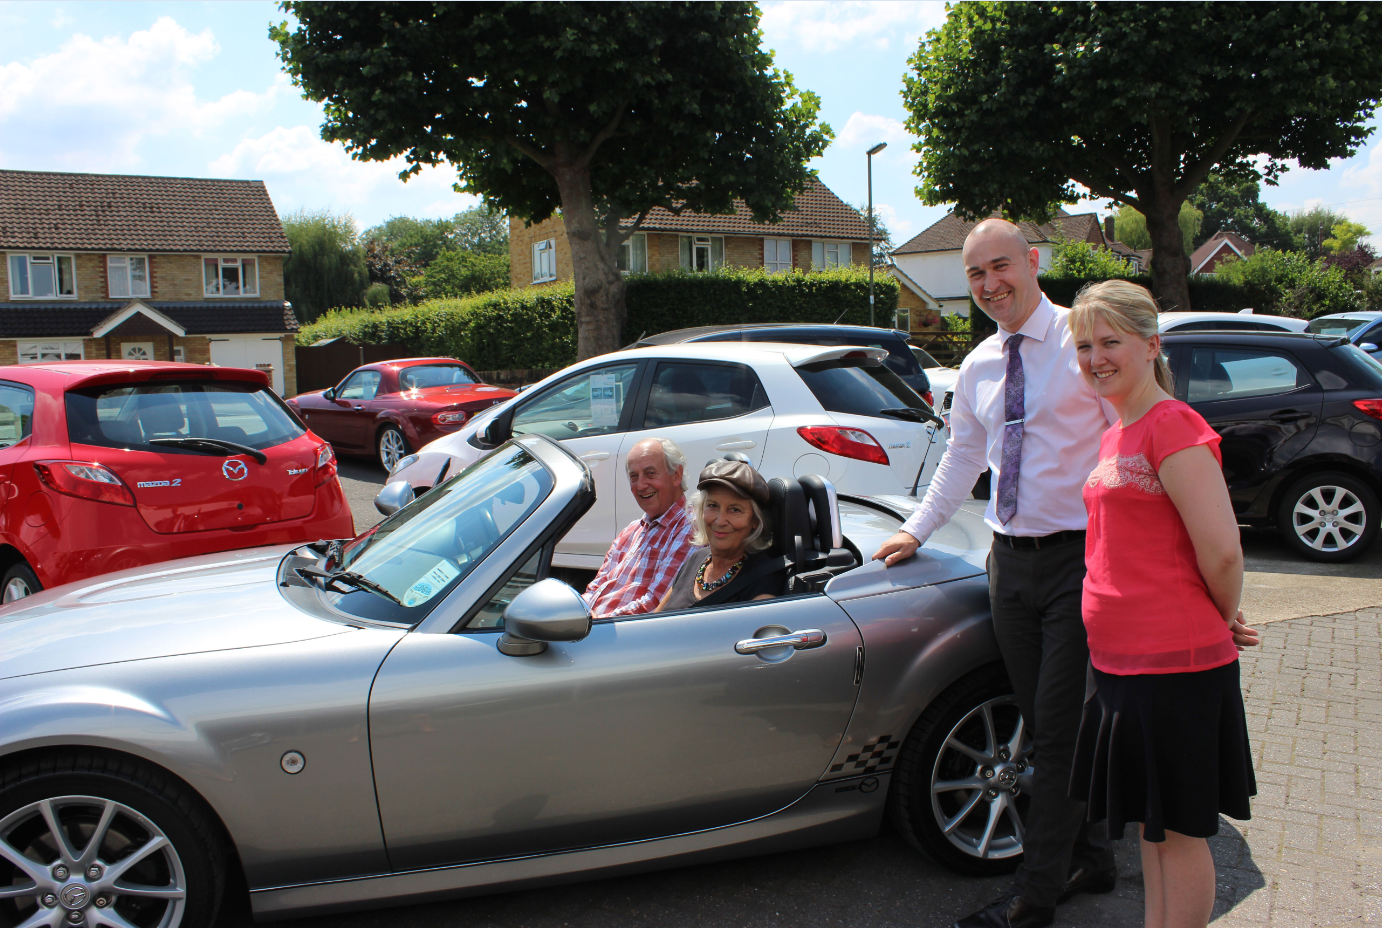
[[1290, 284], [1082, 260], [326, 267], [536, 327], [1207, 294], [377, 296], [457, 274]]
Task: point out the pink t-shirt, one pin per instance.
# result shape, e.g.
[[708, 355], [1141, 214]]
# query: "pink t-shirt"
[[1146, 607]]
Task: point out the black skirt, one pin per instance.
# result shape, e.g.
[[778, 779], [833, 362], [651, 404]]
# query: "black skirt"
[[1167, 750]]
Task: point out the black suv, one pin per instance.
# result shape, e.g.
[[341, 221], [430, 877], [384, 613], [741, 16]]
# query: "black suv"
[[1300, 418], [900, 360]]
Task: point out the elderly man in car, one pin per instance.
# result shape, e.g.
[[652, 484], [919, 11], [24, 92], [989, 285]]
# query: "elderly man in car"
[[640, 565]]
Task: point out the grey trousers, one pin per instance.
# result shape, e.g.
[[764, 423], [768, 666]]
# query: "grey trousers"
[[1035, 594]]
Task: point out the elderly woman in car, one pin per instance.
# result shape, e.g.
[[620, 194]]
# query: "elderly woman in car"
[[730, 523]]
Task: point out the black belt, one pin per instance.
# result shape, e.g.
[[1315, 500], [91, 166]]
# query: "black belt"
[[1038, 541]]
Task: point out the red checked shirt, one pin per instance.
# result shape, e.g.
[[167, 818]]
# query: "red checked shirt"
[[640, 566]]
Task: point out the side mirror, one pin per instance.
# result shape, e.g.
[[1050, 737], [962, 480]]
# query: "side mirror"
[[1369, 347], [394, 497], [549, 610], [497, 432], [329, 395]]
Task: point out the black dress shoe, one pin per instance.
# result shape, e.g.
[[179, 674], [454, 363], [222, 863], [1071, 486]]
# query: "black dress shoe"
[[1094, 882], [1010, 912]]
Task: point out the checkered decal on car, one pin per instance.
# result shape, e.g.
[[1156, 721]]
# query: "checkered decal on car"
[[874, 755]]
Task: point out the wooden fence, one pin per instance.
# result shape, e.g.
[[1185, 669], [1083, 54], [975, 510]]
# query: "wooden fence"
[[949, 348]]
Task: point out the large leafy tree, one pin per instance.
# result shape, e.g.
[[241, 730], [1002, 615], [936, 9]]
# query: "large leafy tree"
[[601, 110], [326, 267], [1018, 103], [1235, 205]]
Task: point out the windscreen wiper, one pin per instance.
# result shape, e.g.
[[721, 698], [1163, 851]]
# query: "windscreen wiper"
[[212, 445], [912, 414], [348, 577]]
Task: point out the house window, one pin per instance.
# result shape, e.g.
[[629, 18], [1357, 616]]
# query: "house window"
[[702, 252], [43, 277], [904, 319], [633, 254], [231, 276], [777, 254], [128, 275], [545, 261], [830, 254], [34, 352]]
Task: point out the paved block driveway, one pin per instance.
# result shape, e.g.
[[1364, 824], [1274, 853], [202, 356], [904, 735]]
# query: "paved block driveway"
[[1311, 856]]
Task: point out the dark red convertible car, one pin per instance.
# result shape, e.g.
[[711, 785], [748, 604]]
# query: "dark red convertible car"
[[392, 408]]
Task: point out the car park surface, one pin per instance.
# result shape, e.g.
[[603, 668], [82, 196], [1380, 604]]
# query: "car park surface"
[[391, 408], [106, 465], [791, 410], [272, 657]]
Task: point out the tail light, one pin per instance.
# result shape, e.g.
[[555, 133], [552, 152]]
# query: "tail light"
[[450, 417], [84, 481], [1369, 407], [847, 443], [326, 463], [930, 399]]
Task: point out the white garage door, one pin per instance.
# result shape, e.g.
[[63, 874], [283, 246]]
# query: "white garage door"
[[255, 351]]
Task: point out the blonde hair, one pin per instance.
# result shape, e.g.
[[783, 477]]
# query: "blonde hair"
[[1127, 308], [760, 539]]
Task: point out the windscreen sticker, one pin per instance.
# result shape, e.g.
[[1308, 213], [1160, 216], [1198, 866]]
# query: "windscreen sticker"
[[431, 583], [604, 413]]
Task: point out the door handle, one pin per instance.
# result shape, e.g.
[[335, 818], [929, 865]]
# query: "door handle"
[[736, 445], [1288, 415], [595, 456], [359, 409], [802, 641]]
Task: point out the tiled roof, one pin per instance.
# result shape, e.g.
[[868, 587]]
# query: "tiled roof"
[[116, 212], [58, 319], [1220, 240], [818, 214], [948, 233]]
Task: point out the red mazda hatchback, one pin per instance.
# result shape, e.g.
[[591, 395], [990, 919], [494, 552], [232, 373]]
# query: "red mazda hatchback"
[[106, 465], [393, 408]]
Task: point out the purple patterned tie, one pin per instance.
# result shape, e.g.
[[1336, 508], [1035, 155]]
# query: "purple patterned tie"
[[1014, 415]]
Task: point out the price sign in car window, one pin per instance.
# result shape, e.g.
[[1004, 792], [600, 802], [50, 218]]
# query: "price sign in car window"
[[430, 583], [604, 411]]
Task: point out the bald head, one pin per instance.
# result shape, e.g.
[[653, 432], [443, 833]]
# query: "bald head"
[[1002, 270]]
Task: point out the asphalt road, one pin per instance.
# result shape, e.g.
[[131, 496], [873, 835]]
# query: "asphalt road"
[[878, 882]]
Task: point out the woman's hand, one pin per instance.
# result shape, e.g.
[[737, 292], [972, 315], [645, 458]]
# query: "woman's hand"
[[1243, 636]]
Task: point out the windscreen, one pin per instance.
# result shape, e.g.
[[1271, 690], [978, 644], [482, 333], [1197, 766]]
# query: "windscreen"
[[418, 554], [845, 387], [434, 375], [1329, 326], [133, 415]]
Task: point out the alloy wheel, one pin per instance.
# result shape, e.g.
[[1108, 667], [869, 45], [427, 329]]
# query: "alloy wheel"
[[1329, 518], [981, 781], [391, 449], [17, 588], [88, 862]]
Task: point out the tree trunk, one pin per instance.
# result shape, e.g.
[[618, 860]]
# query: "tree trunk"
[[1170, 264], [600, 310]]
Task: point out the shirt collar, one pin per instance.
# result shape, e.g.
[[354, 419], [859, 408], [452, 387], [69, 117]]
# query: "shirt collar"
[[674, 511], [1037, 324]]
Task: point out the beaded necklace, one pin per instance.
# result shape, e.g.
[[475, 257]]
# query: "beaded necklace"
[[716, 584]]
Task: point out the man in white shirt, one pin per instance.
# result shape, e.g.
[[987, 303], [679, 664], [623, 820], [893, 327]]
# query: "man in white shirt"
[[1022, 410]]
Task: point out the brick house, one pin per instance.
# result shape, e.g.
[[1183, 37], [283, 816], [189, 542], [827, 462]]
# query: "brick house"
[[1218, 249], [821, 231], [114, 266], [931, 271]]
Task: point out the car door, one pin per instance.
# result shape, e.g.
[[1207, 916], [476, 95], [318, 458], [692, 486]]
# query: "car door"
[[588, 413], [16, 425], [1263, 403], [707, 408], [651, 726], [345, 419]]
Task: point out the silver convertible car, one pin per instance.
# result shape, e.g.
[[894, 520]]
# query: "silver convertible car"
[[421, 712]]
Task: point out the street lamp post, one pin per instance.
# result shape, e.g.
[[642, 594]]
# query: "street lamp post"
[[871, 152]]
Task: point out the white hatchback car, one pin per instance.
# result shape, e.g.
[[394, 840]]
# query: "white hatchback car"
[[791, 410], [1242, 321]]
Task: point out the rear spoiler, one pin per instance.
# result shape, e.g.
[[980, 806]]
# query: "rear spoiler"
[[808, 355], [140, 374]]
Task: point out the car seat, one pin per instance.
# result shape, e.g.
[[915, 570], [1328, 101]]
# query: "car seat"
[[160, 415], [678, 396]]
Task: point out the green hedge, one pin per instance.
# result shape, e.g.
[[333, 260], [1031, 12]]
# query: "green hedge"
[[1207, 295], [536, 327]]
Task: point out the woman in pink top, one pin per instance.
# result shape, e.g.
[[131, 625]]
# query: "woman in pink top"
[[1163, 740]]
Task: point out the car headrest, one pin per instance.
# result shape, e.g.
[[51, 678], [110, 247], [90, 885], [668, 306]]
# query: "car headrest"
[[825, 512], [160, 414], [790, 521]]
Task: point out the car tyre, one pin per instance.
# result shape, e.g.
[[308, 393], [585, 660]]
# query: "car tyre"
[[1330, 517], [20, 581], [113, 811], [393, 447], [971, 734]]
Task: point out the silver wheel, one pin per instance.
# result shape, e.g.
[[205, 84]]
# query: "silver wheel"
[[981, 781], [392, 447], [1329, 518], [91, 862], [17, 588]]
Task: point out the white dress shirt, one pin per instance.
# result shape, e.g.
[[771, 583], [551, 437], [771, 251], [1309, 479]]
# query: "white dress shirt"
[[1060, 446]]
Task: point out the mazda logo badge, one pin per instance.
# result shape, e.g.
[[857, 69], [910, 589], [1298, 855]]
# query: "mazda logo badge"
[[235, 470], [74, 896]]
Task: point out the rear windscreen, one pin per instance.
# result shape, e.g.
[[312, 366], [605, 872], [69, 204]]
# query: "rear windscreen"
[[1365, 370], [859, 390], [133, 415], [433, 375]]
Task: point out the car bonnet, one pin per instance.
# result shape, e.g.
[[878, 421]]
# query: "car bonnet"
[[209, 603]]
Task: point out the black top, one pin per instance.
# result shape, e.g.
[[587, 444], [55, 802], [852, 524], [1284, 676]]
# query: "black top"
[[683, 594]]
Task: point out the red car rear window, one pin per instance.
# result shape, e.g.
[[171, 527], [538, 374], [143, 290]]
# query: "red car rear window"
[[433, 375], [134, 415]]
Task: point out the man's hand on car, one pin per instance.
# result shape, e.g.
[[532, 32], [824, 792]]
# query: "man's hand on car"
[[897, 548]]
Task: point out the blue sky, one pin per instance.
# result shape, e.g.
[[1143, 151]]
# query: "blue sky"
[[194, 89]]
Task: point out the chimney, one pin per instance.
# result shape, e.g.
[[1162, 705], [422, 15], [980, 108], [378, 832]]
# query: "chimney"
[[1108, 229]]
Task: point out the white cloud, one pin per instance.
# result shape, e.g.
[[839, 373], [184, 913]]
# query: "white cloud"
[[95, 101], [901, 229], [60, 19], [864, 131], [826, 26]]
